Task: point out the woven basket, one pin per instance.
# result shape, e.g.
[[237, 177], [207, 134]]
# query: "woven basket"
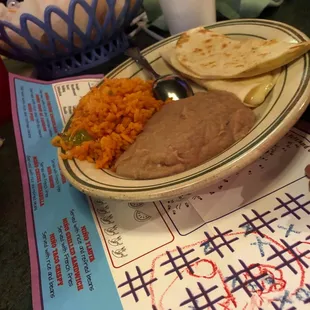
[[55, 56]]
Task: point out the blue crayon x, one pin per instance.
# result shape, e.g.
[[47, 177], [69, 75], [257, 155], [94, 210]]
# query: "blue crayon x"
[[260, 244], [289, 230], [248, 229]]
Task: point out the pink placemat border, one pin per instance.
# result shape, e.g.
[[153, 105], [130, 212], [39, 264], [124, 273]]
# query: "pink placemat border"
[[33, 253]]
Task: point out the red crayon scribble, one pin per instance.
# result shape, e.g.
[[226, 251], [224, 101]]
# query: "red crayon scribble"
[[302, 270], [216, 271], [152, 295], [229, 298], [276, 283], [210, 276]]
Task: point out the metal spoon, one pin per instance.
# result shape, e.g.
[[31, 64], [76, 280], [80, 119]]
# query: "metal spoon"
[[166, 86]]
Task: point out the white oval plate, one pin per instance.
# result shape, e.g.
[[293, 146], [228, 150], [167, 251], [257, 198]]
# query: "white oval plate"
[[282, 108]]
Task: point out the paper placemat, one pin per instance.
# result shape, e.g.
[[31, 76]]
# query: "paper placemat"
[[243, 243]]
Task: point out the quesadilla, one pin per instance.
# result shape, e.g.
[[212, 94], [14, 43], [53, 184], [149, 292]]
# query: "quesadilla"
[[210, 55], [252, 91]]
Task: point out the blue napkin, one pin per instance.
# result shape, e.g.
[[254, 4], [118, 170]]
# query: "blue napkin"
[[231, 9]]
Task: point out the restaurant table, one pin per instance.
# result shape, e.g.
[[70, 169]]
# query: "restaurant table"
[[15, 286]]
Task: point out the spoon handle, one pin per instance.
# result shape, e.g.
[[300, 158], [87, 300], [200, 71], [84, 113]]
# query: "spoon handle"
[[135, 54]]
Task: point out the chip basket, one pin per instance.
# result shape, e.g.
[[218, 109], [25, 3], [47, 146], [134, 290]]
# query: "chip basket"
[[57, 57]]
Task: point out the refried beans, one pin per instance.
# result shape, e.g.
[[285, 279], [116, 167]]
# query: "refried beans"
[[185, 134]]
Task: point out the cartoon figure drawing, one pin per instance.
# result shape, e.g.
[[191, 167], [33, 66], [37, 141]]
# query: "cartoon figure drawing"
[[111, 231], [107, 220], [103, 211], [116, 241], [120, 253]]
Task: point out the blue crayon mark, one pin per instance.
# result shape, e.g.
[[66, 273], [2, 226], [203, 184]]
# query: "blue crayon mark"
[[289, 230], [260, 244], [207, 248], [284, 300], [252, 286], [302, 294], [248, 229], [269, 280], [233, 283]]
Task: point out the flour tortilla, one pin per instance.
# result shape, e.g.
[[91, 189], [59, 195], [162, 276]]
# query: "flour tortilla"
[[211, 55], [251, 91]]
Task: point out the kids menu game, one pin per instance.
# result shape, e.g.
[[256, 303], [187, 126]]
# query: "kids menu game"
[[243, 243]]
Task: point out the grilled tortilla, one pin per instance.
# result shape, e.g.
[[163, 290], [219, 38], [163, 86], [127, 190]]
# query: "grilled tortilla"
[[252, 91], [210, 55]]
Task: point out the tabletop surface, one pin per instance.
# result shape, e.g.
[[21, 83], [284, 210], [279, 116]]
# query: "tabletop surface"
[[15, 286]]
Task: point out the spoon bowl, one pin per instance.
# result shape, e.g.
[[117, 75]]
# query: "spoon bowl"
[[171, 86], [166, 86]]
